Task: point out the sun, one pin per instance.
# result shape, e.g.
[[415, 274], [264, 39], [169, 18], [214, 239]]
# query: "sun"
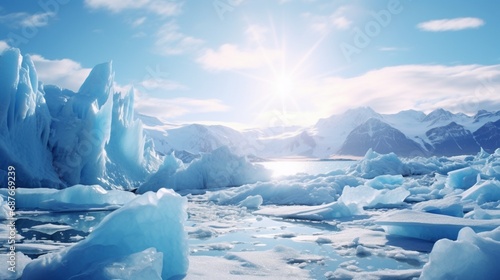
[[283, 86]]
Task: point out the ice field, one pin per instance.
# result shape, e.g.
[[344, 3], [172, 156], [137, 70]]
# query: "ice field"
[[433, 218]]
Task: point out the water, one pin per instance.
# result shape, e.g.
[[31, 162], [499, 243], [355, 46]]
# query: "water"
[[313, 167]]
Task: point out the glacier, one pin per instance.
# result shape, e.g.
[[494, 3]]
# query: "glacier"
[[57, 138]]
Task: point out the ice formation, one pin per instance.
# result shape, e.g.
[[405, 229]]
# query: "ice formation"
[[25, 123], [471, 256], [57, 138], [217, 169], [122, 241]]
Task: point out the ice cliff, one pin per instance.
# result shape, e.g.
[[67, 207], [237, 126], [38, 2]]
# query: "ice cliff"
[[57, 138]]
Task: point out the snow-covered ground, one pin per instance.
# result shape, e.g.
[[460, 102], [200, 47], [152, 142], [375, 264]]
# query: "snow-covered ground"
[[381, 218]]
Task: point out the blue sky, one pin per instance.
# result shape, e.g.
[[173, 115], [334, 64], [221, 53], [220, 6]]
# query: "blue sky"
[[253, 63]]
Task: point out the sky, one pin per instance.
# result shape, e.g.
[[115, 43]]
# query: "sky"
[[263, 63]]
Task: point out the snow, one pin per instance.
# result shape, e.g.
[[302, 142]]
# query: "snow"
[[78, 197], [472, 256], [153, 220]]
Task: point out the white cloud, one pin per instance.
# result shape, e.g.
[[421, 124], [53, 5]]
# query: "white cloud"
[[464, 88], [3, 45], [231, 57], [159, 7], [22, 19], [138, 22], [176, 107], [454, 24], [391, 49], [171, 41], [65, 73], [256, 33], [338, 20]]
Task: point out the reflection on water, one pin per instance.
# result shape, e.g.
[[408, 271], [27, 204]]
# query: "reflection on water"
[[289, 167]]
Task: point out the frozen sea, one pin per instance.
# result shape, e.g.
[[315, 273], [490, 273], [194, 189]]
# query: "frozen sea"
[[377, 218], [228, 241]]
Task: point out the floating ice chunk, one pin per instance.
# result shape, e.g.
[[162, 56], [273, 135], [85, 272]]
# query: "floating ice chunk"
[[150, 220], [252, 202], [429, 226], [329, 211], [147, 264], [50, 228], [357, 198], [78, 197], [374, 164], [217, 169], [18, 261], [485, 191], [450, 206], [462, 178], [472, 256]]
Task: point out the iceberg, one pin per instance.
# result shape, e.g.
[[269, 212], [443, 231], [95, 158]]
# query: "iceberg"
[[471, 256], [217, 169], [374, 164], [56, 138], [25, 123], [153, 220]]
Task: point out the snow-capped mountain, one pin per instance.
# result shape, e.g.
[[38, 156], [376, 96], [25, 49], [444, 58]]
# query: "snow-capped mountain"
[[488, 136], [380, 137], [452, 139], [407, 133]]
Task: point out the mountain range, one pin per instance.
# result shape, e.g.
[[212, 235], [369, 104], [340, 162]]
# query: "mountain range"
[[407, 133]]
